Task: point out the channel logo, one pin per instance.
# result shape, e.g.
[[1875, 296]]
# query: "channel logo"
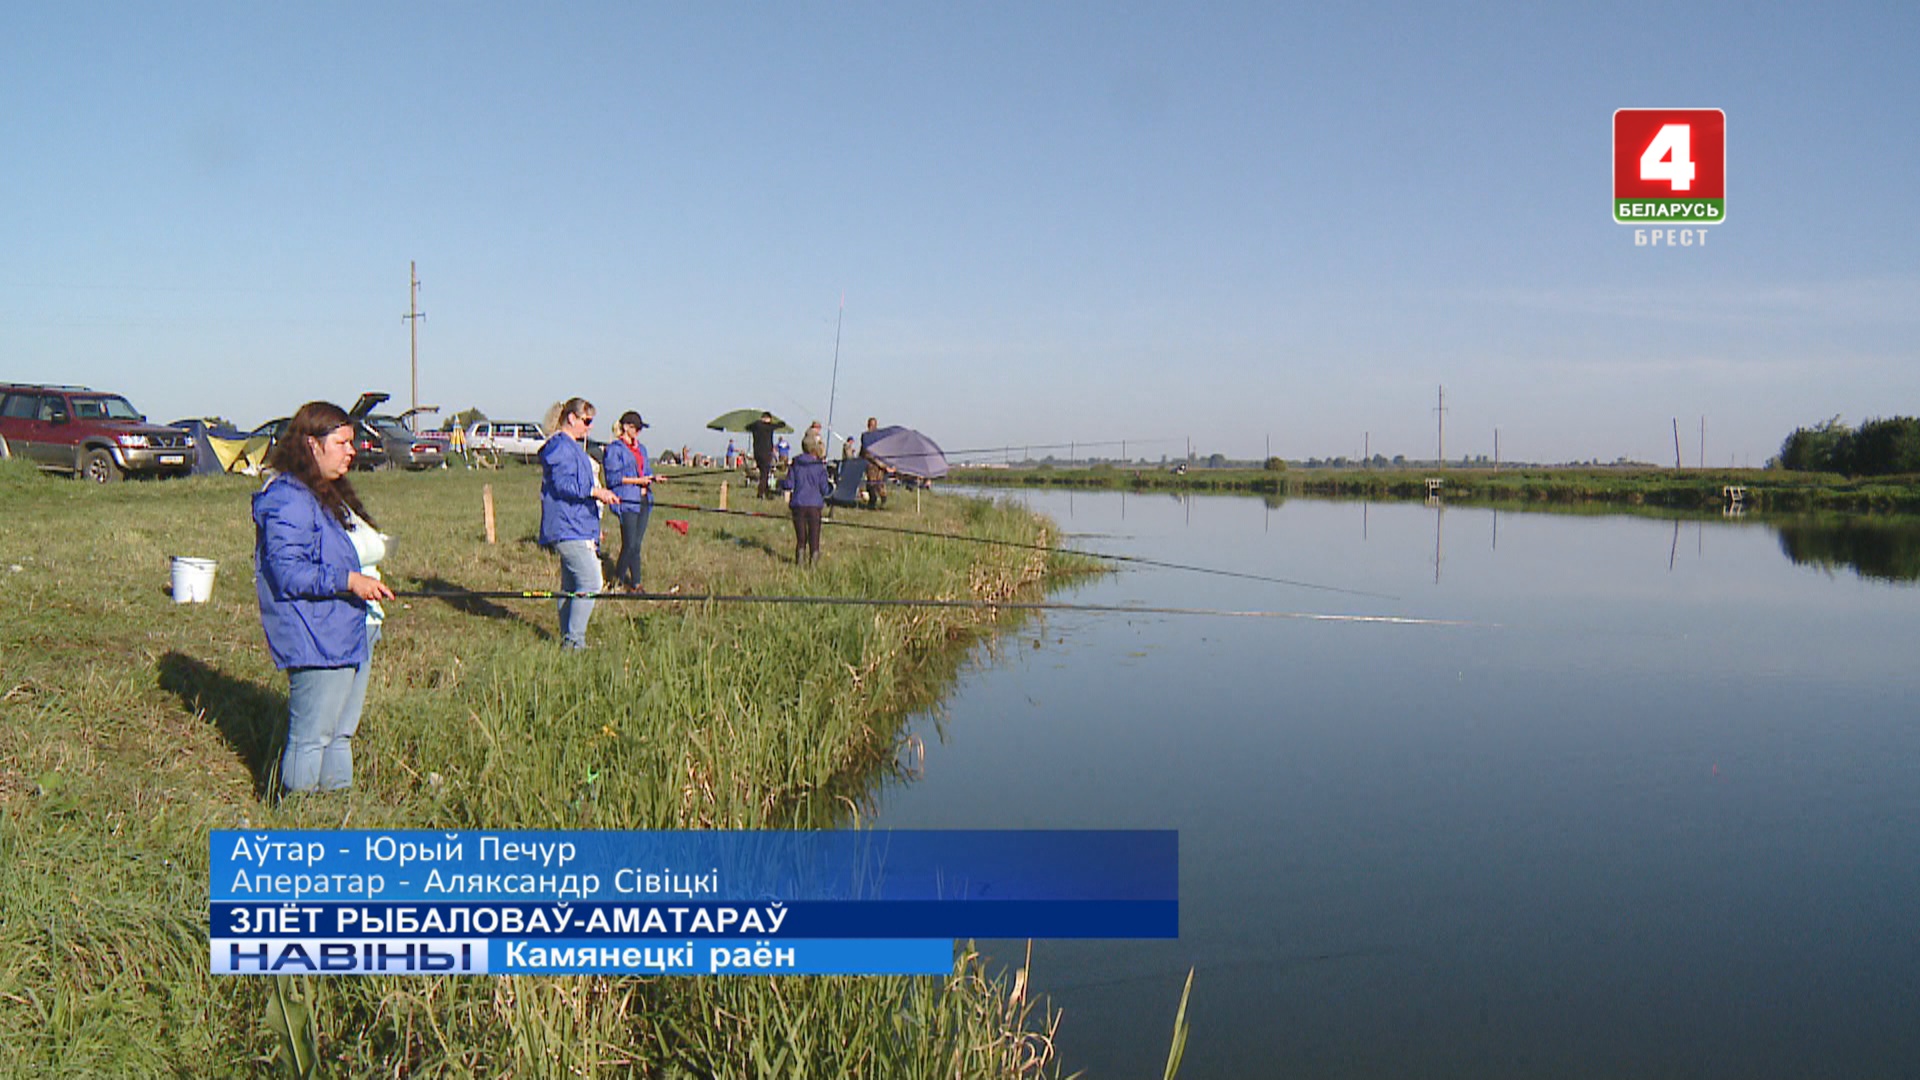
[[1669, 167]]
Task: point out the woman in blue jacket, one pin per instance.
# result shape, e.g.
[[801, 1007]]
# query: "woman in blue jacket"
[[570, 504], [807, 479], [630, 476], [313, 597]]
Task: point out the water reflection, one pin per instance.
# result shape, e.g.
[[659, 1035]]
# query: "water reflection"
[[1882, 550]]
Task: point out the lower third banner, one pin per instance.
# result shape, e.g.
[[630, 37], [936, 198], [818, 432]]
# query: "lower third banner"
[[597, 956]]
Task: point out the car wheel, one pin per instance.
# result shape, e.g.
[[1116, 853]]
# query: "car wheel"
[[98, 467]]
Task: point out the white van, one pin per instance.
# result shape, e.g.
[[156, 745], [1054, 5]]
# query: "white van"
[[514, 438]]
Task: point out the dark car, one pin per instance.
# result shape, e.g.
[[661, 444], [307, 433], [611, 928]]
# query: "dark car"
[[399, 444], [369, 450], [87, 433], [402, 446]]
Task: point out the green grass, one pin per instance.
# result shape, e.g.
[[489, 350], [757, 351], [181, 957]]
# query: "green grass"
[[130, 726]]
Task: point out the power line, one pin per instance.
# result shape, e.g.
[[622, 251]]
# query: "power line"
[[1071, 445]]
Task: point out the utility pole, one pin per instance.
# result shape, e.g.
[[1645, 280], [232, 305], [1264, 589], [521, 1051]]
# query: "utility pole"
[[1703, 442], [413, 317], [1441, 411], [1496, 453], [1676, 443]]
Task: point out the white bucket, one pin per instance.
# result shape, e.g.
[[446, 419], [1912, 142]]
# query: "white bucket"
[[192, 580]]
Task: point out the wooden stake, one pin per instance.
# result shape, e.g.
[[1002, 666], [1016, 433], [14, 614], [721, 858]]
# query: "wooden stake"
[[723, 494], [486, 501]]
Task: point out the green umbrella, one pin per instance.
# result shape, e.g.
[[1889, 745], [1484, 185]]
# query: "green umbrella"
[[738, 419]]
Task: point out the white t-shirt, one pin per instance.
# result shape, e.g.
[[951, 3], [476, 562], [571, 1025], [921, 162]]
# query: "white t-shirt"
[[370, 545]]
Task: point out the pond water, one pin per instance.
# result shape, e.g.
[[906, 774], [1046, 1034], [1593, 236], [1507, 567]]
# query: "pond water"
[[1654, 812]]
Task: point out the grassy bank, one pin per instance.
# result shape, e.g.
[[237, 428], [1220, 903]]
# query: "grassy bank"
[[129, 726], [1688, 489]]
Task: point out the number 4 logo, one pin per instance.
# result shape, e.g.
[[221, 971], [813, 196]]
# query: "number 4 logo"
[[1669, 157], [1669, 166]]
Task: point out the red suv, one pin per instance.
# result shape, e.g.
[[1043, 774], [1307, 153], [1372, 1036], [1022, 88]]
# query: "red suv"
[[75, 430]]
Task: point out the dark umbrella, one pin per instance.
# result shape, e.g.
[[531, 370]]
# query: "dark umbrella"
[[738, 419], [905, 450]]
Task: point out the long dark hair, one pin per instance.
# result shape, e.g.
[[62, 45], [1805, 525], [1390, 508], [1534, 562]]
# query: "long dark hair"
[[293, 456]]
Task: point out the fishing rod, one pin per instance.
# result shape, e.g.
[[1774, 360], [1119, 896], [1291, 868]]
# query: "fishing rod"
[[867, 601], [1137, 559], [833, 389], [699, 473]]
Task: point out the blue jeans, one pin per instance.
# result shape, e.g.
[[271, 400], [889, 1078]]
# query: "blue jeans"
[[579, 572], [323, 712], [633, 530]]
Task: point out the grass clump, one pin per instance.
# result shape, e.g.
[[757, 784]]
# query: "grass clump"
[[130, 726]]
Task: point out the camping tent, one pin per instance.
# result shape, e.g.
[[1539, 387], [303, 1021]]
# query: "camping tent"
[[216, 449]]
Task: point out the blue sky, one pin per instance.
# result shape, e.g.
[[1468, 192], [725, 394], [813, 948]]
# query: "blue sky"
[[1249, 224]]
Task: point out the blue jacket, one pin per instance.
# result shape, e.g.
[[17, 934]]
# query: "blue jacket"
[[620, 463], [301, 559], [568, 510], [807, 479]]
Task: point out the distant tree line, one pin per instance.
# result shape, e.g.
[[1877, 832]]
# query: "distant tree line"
[[1876, 448], [464, 419]]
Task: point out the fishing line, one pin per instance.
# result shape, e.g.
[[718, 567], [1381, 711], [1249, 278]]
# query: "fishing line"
[[866, 601], [1137, 559]]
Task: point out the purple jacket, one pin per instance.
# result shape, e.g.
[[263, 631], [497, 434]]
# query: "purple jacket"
[[807, 479]]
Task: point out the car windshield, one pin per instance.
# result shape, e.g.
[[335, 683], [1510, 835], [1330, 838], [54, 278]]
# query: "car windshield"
[[104, 408]]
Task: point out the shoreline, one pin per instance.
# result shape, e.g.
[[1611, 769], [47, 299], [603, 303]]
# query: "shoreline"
[[1680, 489], [134, 725]]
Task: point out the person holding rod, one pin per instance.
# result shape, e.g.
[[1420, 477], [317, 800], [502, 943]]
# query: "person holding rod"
[[315, 601], [629, 475], [570, 504]]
